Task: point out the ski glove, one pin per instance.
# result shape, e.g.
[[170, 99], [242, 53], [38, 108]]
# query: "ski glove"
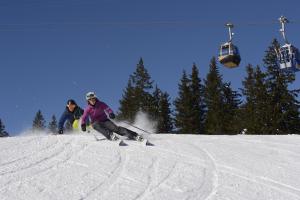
[[112, 115], [83, 127], [60, 131]]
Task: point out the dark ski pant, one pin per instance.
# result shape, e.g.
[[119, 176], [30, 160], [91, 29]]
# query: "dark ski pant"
[[108, 127]]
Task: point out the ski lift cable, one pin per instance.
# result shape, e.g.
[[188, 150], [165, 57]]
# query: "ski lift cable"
[[56, 26], [137, 23]]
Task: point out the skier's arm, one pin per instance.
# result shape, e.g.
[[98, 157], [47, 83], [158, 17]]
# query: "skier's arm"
[[87, 121], [62, 121], [85, 116], [108, 111], [84, 119]]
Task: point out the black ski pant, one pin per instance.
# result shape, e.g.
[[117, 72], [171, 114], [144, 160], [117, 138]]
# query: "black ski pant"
[[108, 127]]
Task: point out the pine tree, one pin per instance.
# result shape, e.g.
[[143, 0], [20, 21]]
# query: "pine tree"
[[3, 133], [190, 106], [256, 93], [137, 96], [198, 111], [143, 87], [2, 127], [214, 101], [231, 101], [248, 108], [38, 122], [53, 125], [222, 103], [165, 123], [283, 107], [183, 106], [128, 107], [255, 115], [154, 105]]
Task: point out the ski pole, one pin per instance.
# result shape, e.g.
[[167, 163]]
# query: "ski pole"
[[137, 128]]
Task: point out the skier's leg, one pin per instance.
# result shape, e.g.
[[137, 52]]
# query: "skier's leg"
[[113, 127], [101, 129], [130, 134], [120, 130]]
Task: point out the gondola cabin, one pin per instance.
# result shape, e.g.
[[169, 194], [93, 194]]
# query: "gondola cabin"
[[289, 58], [229, 55]]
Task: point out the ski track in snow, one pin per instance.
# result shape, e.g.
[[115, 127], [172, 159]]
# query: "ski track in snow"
[[207, 188], [106, 185], [178, 167], [281, 187]]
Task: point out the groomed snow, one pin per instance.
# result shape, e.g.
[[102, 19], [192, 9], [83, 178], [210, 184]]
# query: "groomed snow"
[[75, 166]]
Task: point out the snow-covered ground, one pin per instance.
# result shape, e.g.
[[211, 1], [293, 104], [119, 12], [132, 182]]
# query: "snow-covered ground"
[[67, 167]]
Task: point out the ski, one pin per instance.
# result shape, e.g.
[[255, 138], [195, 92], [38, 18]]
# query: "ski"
[[149, 143], [98, 139], [122, 143], [144, 142]]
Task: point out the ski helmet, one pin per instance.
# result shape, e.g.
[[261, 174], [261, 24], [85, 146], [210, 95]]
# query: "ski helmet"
[[90, 95]]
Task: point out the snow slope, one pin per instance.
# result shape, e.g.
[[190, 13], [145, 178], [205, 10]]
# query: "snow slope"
[[178, 167]]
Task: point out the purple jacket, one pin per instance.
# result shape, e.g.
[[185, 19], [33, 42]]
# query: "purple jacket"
[[97, 113]]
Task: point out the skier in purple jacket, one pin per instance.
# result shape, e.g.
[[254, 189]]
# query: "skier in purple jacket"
[[100, 115]]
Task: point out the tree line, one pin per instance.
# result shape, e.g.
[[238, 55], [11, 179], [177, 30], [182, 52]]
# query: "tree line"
[[264, 104], [3, 132]]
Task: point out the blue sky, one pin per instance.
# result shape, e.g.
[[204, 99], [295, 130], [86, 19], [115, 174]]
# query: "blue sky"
[[51, 51]]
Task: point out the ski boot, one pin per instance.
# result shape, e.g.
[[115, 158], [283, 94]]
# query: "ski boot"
[[138, 138], [113, 137]]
